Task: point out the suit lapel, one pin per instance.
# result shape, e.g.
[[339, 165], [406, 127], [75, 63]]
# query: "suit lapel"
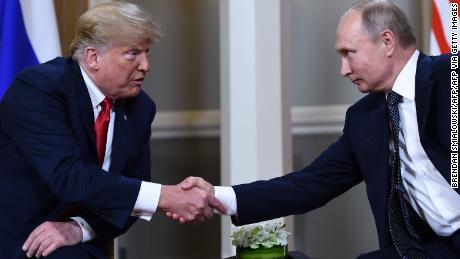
[[423, 89], [424, 84], [377, 143], [85, 109], [119, 147], [87, 117]]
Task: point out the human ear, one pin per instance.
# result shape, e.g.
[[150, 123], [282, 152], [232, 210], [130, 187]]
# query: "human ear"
[[388, 42], [91, 58]]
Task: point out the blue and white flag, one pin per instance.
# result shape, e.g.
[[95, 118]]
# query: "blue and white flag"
[[28, 36]]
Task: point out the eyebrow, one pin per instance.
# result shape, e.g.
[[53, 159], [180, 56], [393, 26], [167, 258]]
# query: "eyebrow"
[[344, 49], [137, 49], [341, 50]]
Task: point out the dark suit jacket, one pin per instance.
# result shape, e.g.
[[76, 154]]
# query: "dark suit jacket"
[[361, 153], [48, 159]]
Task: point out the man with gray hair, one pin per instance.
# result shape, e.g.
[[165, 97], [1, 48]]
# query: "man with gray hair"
[[74, 145], [395, 139]]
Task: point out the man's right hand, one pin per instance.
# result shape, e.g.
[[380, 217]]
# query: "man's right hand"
[[189, 204]]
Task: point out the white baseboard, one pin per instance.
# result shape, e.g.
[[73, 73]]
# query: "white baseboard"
[[306, 120]]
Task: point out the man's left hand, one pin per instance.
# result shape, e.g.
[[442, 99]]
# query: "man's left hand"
[[50, 236]]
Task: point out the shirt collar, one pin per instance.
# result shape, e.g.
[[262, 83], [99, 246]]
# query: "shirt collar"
[[94, 93], [405, 82]]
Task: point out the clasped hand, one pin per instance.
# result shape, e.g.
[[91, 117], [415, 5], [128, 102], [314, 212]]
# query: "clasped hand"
[[190, 201]]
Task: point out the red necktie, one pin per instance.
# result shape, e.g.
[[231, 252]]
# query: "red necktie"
[[101, 126]]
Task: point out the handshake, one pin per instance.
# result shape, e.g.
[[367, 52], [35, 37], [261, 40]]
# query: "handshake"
[[190, 201]]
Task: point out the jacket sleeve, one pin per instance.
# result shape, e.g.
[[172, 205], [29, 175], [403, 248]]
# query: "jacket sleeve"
[[34, 118], [103, 228], [331, 174]]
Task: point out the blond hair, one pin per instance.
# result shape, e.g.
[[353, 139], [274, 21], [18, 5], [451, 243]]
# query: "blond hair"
[[115, 22]]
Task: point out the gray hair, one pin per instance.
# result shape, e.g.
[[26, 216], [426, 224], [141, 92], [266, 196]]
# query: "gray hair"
[[380, 15], [115, 22]]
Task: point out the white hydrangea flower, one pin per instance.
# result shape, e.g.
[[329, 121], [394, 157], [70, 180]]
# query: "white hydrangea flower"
[[266, 234]]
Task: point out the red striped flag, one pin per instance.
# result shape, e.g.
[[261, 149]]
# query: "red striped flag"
[[440, 26]]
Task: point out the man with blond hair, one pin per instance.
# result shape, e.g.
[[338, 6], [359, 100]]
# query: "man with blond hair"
[[74, 144]]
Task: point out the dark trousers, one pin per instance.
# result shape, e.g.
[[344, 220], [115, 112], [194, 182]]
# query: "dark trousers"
[[90, 250], [69, 252]]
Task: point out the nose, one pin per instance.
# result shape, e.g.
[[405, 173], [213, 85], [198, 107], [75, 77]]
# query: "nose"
[[144, 64], [345, 69]]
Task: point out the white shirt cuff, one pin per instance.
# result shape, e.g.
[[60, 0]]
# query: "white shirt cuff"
[[86, 229], [147, 200], [226, 195]]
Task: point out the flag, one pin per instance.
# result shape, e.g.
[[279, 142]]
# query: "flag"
[[28, 36], [440, 27]]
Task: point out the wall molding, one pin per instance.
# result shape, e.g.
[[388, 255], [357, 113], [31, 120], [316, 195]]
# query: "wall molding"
[[306, 120]]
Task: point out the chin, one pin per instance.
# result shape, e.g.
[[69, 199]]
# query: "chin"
[[363, 88], [133, 92]]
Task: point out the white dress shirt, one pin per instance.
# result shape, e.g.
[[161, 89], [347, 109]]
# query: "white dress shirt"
[[149, 193], [427, 191]]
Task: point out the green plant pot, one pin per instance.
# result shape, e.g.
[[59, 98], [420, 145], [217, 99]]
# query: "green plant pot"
[[276, 252]]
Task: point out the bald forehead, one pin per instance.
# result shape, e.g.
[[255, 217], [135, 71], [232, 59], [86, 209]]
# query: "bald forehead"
[[348, 29], [349, 19]]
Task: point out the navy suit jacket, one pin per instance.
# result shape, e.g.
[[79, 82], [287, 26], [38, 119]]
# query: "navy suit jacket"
[[48, 159], [360, 154]]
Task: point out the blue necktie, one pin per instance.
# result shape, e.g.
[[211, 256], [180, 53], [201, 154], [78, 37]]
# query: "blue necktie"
[[401, 231]]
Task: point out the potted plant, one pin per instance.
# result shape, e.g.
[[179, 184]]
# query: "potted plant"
[[265, 240]]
